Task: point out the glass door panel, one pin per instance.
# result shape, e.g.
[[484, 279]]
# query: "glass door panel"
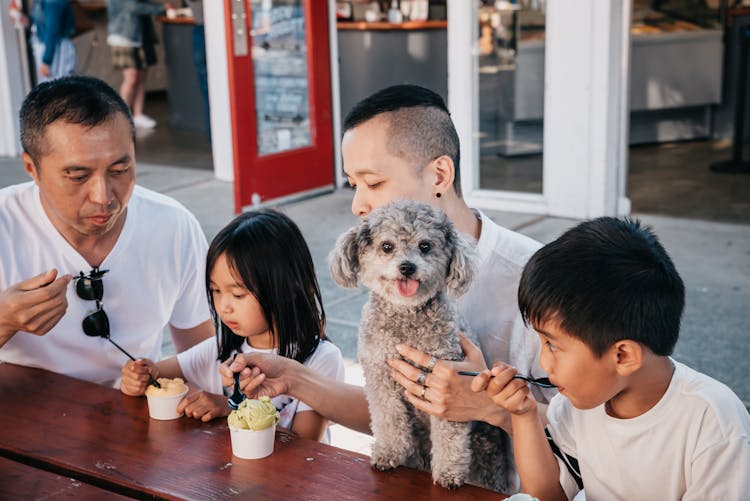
[[510, 50], [279, 50]]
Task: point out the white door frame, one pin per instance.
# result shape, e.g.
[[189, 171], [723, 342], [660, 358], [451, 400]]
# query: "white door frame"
[[585, 109], [15, 83]]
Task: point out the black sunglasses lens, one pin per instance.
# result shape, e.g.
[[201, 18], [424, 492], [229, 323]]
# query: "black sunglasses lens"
[[96, 324], [86, 288]]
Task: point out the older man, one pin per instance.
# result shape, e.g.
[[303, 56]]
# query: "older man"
[[87, 255]]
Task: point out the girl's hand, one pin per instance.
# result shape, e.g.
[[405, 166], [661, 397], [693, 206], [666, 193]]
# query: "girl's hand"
[[135, 376], [511, 394], [204, 406]]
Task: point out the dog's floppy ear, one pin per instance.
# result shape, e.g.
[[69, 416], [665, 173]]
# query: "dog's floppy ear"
[[462, 265], [343, 260]]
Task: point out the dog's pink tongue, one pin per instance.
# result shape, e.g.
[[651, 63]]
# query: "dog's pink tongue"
[[407, 287]]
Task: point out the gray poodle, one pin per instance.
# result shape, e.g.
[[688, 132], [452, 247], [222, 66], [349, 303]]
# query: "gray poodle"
[[411, 259]]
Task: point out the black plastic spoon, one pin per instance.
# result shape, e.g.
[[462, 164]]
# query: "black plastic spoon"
[[237, 397], [542, 382]]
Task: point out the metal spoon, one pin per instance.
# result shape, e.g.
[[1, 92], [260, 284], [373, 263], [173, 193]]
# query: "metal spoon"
[[237, 397], [542, 382]]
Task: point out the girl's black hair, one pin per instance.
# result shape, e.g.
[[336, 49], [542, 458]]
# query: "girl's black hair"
[[267, 251]]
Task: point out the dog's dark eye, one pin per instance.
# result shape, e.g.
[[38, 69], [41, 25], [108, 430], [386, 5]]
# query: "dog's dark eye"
[[424, 247], [387, 247]]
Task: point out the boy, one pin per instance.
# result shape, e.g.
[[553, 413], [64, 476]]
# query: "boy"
[[629, 422]]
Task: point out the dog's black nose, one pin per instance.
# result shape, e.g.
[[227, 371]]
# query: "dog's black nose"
[[407, 268]]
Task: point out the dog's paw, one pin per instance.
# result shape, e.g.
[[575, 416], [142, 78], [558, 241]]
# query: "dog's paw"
[[449, 480], [382, 464], [384, 460]]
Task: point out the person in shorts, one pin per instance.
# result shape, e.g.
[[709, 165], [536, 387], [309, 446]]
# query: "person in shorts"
[[132, 40]]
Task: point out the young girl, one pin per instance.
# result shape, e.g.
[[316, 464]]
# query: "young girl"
[[264, 297]]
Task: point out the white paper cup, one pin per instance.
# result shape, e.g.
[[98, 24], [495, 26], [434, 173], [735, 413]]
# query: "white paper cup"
[[251, 444], [164, 408]]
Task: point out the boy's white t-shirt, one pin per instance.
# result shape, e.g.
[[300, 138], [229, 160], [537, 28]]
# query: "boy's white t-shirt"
[[200, 366], [694, 444], [156, 277]]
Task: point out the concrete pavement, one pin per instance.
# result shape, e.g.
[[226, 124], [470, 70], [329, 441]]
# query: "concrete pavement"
[[713, 259]]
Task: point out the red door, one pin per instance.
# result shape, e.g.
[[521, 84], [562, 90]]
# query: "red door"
[[280, 98]]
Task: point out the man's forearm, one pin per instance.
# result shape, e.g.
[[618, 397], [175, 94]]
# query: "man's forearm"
[[339, 402]]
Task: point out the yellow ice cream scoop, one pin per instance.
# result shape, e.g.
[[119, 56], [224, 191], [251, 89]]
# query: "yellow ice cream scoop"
[[254, 415], [169, 387]]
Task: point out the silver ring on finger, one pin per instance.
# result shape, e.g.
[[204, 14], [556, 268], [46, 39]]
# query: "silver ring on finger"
[[421, 378], [424, 390], [431, 364]]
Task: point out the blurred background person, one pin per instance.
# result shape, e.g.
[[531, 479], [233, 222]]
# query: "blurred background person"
[[52, 26], [131, 37]]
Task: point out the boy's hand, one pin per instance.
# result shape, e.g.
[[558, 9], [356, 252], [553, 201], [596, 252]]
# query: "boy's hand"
[[135, 376], [511, 394], [204, 406]]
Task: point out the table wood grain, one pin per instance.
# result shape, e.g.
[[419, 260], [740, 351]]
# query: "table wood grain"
[[20, 481], [101, 437]]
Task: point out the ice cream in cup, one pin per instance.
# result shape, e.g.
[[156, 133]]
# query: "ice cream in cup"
[[163, 402], [252, 428]]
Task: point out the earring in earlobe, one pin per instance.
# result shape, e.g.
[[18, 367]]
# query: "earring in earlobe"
[[438, 195]]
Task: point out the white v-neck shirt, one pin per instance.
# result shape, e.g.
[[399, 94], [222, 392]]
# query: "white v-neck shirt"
[[156, 278]]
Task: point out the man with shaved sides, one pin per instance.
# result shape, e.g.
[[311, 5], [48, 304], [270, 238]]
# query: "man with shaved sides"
[[86, 255], [400, 143]]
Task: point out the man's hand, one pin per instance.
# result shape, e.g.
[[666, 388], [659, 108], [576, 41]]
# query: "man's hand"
[[44, 70], [446, 394], [204, 406], [511, 394], [261, 374], [34, 305], [135, 376]]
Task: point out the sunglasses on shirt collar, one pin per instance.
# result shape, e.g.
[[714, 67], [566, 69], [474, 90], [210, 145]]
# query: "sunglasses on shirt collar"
[[91, 288]]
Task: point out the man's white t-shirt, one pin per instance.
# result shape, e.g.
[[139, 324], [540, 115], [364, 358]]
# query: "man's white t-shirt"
[[490, 306], [200, 366], [694, 444], [156, 277]]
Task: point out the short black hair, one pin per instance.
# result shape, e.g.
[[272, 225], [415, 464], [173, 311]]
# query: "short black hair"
[[605, 280], [420, 128], [267, 251], [80, 100]]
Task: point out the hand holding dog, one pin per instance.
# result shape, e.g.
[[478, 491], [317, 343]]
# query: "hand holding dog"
[[513, 395], [448, 395]]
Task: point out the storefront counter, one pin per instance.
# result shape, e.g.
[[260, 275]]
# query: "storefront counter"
[[375, 55], [675, 82]]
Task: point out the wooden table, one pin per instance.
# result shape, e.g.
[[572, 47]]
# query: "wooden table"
[[20, 481], [98, 436]]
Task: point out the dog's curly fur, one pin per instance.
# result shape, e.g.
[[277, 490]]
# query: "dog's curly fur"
[[404, 242]]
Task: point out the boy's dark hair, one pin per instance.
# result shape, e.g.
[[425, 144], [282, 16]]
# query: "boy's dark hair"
[[268, 253], [76, 99], [420, 128], [605, 280]]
